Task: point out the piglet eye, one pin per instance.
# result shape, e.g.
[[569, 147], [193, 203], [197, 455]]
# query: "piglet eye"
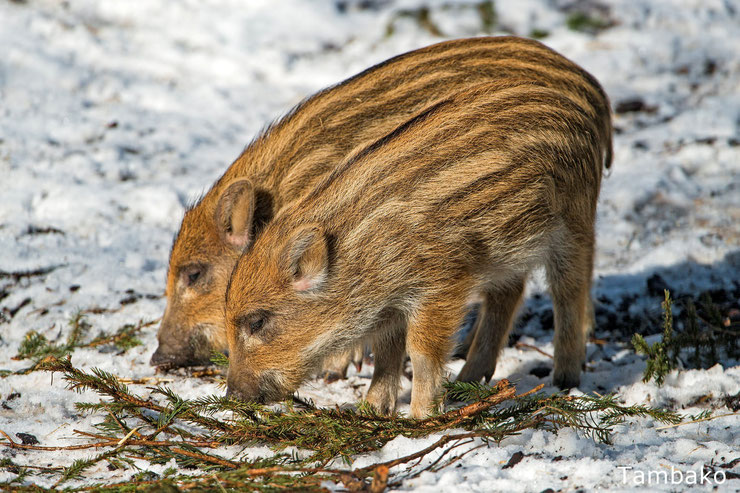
[[254, 322], [193, 274], [256, 325]]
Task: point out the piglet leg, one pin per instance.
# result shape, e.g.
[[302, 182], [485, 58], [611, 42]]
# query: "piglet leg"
[[389, 350], [429, 343]]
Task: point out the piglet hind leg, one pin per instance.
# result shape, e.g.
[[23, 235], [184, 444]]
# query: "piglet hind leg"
[[492, 330], [335, 366], [389, 352], [429, 342], [569, 270]]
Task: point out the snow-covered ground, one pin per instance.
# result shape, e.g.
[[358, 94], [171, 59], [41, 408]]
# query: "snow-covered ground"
[[113, 115]]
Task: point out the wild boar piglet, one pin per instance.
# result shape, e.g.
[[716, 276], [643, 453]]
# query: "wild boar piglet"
[[464, 198], [291, 156]]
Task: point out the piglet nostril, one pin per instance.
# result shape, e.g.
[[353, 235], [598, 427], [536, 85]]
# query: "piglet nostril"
[[231, 390], [162, 360], [232, 393], [243, 394], [158, 358]]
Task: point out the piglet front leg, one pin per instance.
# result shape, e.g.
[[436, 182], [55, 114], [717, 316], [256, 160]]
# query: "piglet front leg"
[[429, 343]]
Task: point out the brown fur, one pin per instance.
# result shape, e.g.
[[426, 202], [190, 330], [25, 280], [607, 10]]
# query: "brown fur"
[[293, 155], [464, 198]]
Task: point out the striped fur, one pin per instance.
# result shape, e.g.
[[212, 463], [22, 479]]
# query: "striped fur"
[[293, 155], [464, 198]]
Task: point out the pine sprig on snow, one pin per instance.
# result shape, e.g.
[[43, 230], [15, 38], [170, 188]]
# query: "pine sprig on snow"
[[37, 347], [134, 427], [705, 337]]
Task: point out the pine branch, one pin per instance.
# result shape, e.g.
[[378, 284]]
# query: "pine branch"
[[111, 443], [132, 423]]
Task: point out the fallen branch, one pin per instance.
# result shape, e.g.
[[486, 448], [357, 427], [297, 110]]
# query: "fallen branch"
[[132, 423], [110, 443], [421, 453], [206, 457], [505, 392], [522, 345], [124, 332]]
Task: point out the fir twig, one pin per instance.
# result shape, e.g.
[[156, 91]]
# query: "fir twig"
[[693, 421], [39, 349], [131, 424], [706, 336], [662, 358]]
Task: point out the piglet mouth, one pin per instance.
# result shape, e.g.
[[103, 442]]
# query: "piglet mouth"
[[165, 362], [161, 361], [236, 394], [196, 350], [261, 389]]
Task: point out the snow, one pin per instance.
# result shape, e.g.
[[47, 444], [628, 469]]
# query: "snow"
[[115, 115]]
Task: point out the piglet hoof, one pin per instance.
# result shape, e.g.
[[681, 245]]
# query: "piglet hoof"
[[471, 373], [330, 376], [383, 408], [383, 402], [335, 367], [565, 381], [425, 410]]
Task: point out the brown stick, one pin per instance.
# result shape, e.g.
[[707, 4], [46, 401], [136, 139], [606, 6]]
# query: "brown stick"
[[110, 443], [116, 337], [13, 444], [457, 458], [380, 480], [91, 435], [521, 345], [421, 453], [446, 451], [167, 443], [146, 380], [266, 471], [532, 391], [206, 458], [505, 393]]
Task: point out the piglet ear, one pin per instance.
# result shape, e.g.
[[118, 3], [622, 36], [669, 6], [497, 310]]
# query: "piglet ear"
[[307, 257], [235, 213]]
